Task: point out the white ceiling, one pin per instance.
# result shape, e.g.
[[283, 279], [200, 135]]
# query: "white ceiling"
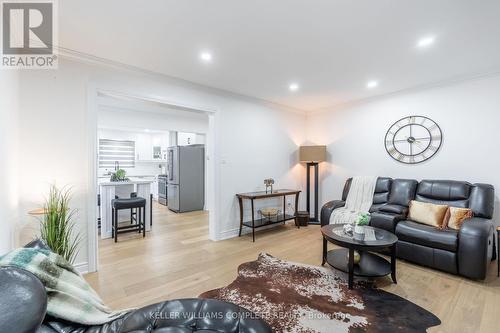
[[330, 47]]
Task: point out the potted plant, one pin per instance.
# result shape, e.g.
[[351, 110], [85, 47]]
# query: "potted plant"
[[57, 227], [359, 225], [119, 176]]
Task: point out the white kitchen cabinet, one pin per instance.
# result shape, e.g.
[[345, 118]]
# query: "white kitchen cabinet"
[[144, 147], [154, 188], [160, 145]]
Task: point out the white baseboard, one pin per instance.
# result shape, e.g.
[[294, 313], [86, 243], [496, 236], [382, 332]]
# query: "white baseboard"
[[228, 234], [82, 268], [231, 233]]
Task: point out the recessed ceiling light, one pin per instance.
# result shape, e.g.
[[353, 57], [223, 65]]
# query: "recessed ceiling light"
[[206, 56], [426, 41], [372, 84], [293, 86], [147, 130]]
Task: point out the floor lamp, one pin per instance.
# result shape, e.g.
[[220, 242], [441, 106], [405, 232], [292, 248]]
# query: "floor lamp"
[[312, 155]]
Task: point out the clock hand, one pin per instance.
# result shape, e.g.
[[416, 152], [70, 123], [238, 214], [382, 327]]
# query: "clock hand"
[[402, 140], [418, 144]]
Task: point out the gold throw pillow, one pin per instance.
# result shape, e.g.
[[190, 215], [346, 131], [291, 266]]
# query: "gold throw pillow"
[[456, 216], [427, 213]]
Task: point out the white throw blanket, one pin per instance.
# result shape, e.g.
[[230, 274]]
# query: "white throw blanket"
[[359, 200]]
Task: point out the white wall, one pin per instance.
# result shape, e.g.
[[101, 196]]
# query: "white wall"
[[8, 161], [468, 114], [53, 143], [160, 120], [253, 139], [186, 138]]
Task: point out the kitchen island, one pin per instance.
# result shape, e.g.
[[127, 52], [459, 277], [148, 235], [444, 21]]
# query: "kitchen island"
[[108, 190]]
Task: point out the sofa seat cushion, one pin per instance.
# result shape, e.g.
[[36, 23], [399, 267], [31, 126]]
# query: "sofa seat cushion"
[[427, 235]]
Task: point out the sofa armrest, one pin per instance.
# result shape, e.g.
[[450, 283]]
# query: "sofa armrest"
[[23, 301], [328, 208], [386, 221], [394, 209], [475, 247]]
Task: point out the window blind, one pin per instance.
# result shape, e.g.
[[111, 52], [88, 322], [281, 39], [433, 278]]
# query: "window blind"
[[121, 151]]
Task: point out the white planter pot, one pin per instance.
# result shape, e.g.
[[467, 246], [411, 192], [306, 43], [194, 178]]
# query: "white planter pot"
[[359, 233], [359, 229]]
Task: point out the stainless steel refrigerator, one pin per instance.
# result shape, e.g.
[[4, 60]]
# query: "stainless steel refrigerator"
[[186, 178]]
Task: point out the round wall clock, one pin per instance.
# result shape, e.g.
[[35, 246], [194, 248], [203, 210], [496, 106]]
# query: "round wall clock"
[[413, 139]]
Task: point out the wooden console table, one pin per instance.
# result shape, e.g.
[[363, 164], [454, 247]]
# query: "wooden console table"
[[258, 223]]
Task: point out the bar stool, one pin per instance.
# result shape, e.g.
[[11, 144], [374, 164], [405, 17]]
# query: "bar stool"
[[137, 203], [133, 212]]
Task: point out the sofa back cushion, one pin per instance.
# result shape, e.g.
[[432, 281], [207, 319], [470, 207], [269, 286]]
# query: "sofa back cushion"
[[444, 192], [402, 191], [478, 197], [382, 190]]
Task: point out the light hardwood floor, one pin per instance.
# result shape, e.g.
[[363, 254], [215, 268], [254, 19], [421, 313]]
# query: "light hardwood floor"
[[177, 260]]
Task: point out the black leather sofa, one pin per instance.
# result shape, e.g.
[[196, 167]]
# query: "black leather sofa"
[[465, 252], [23, 305]]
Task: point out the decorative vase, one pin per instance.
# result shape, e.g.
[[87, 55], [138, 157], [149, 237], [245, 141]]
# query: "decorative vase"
[[359, 232], [357, 257]]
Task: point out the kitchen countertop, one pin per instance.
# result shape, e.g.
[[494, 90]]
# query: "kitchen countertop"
[[130, 176], [132, 181]]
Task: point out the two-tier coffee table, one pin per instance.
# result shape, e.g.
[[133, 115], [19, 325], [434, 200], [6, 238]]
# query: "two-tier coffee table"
[[370, 264]]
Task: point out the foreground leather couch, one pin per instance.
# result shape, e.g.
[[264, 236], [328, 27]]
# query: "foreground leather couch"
[[23, 304], [465, 252]]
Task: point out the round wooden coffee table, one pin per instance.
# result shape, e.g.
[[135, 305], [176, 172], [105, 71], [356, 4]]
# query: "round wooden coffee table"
[[370, 264]]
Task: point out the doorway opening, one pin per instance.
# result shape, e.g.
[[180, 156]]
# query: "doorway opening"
[[157, 151]]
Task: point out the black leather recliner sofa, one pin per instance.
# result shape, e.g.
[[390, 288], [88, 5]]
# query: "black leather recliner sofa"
[[23, 305], [465, 252]]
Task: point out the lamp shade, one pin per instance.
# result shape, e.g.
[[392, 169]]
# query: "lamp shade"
[[312, 153]]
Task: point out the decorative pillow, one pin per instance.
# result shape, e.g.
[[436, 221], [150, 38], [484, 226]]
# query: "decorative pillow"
[[456, 216], [427, 213]]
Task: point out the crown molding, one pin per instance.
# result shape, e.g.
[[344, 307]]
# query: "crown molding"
[[428, 86], [74, 55], [95, 60]]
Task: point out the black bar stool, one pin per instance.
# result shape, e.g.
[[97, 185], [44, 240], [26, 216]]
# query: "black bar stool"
[[133, 212], [137, 203]]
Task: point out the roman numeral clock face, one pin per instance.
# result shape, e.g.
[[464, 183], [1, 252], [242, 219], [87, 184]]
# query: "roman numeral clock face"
[[413, 139]]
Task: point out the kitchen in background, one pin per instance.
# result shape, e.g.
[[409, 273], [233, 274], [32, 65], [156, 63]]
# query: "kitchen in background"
[[135, 136], [147, 158], [174, 174], [146, 162]]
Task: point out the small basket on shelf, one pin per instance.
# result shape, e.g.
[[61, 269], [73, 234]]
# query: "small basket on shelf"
[[269, 213]]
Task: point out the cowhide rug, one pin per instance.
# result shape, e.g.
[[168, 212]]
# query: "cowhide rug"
[[294, 297]]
